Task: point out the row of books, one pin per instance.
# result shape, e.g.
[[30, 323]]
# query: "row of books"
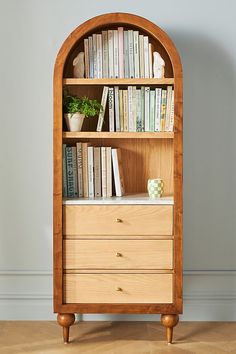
[[92, 171], [118, 54], [138, 110]]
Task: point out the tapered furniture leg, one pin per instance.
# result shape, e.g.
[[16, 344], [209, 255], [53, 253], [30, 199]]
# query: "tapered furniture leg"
[[66, 320], [169, 321]]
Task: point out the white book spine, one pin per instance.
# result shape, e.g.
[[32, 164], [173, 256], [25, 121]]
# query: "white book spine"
[[171, 127], [126, 114], [168, 108], [111, 53], [97, 172], [86, 57], [121, 51], [152, 111], [90, 172], [146, 56], [116, 173], [136, 55], [150, 60], [80, 169], [134, 109], [126, 54], [146, 104], [104, 171], [111, 109], [109, 173], [117, 108], [105, 54], [141, 56], [102, 111], [116, 54], [130, 112], [131, 53], [139, 111], [91, 57], [157, 120], [95, 68], [99, 56]]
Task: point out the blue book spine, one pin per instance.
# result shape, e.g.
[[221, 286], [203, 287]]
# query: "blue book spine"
[[69, 168], [64, 173]]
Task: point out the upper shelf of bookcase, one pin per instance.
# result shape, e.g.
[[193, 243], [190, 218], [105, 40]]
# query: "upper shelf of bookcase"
[[164, 81], [118, 135]]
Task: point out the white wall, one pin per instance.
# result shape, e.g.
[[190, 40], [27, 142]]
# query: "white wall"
[[31, 34]]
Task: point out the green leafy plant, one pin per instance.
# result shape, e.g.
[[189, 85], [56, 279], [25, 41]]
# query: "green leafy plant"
[[84, 105]]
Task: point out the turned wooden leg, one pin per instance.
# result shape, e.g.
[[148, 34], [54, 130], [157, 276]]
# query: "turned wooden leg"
[[66, 320], [169, 321]]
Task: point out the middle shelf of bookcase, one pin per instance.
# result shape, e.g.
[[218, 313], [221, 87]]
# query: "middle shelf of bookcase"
[[118, 82], [118, 135]]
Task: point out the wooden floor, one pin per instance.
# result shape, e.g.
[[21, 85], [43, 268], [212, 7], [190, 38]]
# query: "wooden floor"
[[117, 338]]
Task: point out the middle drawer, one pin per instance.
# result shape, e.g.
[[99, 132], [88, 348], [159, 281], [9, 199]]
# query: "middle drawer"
[[118, 254]]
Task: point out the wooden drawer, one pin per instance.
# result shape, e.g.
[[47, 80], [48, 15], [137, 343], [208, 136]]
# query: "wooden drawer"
[[118, 288], [118, 220], [118, 254]]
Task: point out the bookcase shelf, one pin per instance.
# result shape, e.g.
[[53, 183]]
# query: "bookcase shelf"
[[118, 135], [118, 82]]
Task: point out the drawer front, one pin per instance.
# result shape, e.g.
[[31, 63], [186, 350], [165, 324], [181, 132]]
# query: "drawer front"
[[118, 254], [117, 220], [118, 288]]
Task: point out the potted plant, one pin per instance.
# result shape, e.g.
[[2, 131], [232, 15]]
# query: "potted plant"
[[77, 108]]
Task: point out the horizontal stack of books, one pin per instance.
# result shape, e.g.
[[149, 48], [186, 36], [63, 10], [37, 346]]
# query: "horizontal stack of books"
[[92, 171], [138, 109], [118, 53]]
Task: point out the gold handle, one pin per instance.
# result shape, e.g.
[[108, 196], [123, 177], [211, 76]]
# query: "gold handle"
[[118, 220], [119, 289], [118, 254]]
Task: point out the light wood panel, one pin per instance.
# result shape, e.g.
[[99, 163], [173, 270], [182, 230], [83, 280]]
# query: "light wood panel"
[[118, 288], [107, 81], [118, 254], [117, 220], [118, 135]]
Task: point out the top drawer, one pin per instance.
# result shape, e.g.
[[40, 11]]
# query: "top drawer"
[[117, 220]]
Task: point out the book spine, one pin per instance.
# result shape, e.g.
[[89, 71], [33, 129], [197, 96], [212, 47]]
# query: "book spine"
[[116, 54], [146, 105], [109, 173], [142, 99], [99, 56], [102, 111], [139, 111], [117, 108], [105, 54], [97, 172], [86, 57], [111, 109], [134, 108], [130, 112], [121, 173], [121, 110], [126, 54], [126, 115], [91, 57], [121, 51], [75, 177], [163, 110], [146, 56], [131, 53], [69, 168], [157, 123], [104, 171], [90, 172], [117, 172], [152, 111], [171, 128], [85, 168], [79, 169], [111, 54], [168, 108], [64, 172], [95, 68], [136, 55], [141, 56], [150, 50]]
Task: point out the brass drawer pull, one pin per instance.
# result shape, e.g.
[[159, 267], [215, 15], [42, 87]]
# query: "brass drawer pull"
[[119, 289], [118, 254], [119, 220]]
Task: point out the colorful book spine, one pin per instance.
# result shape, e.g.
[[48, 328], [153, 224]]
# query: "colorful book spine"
[[121, 51], [69, 168], [117, 108], [104, 171], [111, 53], [105, 54], [64, 172], [111, 108], [171, 128], [136, 55], [97, 171], [157, 120], [102, 111], [163, 110], [90, 172], [79, 169], [118, 172], [85, 168], [75, 177]]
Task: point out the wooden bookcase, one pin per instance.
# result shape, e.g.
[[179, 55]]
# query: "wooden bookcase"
[[133, 266]]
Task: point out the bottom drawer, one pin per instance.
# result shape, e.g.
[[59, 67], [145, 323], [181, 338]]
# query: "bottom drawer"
[[118, 288]]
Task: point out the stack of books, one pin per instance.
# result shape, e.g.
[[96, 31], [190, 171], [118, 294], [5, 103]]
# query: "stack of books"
[[138, 109], [118, 53], [92, 171]]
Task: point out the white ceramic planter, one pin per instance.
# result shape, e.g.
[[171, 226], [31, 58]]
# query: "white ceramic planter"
[[74, 121]]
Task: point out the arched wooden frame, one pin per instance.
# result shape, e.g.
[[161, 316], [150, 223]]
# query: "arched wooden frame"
[[170, 53]]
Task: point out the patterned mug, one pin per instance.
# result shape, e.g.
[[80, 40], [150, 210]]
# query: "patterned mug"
[[155, 188]]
